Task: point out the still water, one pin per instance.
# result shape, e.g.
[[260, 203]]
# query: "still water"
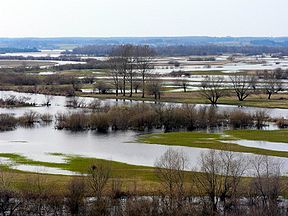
[[40, 142]]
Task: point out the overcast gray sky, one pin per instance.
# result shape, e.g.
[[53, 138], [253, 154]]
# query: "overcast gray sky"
[[54, 18]]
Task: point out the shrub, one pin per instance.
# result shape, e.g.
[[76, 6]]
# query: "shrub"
[[29, 118], [7, 122], [99, 122], [74, 121], [46, 117], [282, 123], [260, 118], [239, 119]]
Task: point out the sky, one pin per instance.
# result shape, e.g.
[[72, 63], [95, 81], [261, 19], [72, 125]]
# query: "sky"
[[110, 18]]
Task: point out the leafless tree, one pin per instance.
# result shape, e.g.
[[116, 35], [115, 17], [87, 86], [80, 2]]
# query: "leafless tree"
[[233, 168], [219, 178], [260, 118], [124, 55], [145, 56], [208, 179], [265, 186], [99, 175], [116, 70], [102, 87], [243, 85], [212, 88], [272, 85], [183, 84], [48, 100], [170, 169], [136, 85], [154, 87]]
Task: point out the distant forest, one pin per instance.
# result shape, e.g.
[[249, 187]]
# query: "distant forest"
[[165, 46], [188, 50], [73, 42]]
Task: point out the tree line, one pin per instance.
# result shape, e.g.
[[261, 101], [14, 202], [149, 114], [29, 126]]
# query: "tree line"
[[186, 50]]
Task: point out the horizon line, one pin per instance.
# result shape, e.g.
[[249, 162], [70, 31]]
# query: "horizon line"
[[164, 36]]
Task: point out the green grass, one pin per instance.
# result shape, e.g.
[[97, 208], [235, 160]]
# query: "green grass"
[[270, 136], [204, 140], [81, 165]]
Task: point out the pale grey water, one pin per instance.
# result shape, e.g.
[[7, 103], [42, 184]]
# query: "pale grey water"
[[275, 146]]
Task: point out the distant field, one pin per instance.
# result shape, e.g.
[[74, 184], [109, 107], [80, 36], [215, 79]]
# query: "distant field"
[[19, 63]]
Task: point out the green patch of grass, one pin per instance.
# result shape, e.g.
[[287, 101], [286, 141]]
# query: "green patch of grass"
[[205, 73], [81, 165], [204, 140], [270, 136], [123, 170]]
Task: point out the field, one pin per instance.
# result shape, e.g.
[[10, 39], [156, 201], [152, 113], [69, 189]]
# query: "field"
[[18, 63], [214, 141]]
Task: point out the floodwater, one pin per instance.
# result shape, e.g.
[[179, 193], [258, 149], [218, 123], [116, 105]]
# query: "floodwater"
[[42, 53], [275, 146], [42, 142]]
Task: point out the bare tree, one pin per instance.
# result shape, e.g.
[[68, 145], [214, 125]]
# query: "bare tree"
[[48, 100], [233, 168], [115, 65], [183, 84], [126, 59], [102, 87], [208, 179], [136, 85], [212, 88], [272, 85], [243, 85], [170, 169], [219, 178], [154, 87], [266, 182], [99, 175], [145, 56]]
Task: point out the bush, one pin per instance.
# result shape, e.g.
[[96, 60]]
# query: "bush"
[[7, 122], [239, 119], [282, 123], [29, 118], [74, 121], [119, 116], [260, 118], [142, 117], [46, 117], [99, 122]]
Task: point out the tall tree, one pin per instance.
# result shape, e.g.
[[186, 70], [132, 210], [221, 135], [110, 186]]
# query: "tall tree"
[[145, 56], [115, 65], [125, 54]]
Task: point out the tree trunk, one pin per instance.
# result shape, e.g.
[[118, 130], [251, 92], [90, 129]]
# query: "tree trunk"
[[124, 86], [269, 96], [143, 85]]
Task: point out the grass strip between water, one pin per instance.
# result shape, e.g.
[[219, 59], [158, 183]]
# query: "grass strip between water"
[[213, 141], [81, 165]]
